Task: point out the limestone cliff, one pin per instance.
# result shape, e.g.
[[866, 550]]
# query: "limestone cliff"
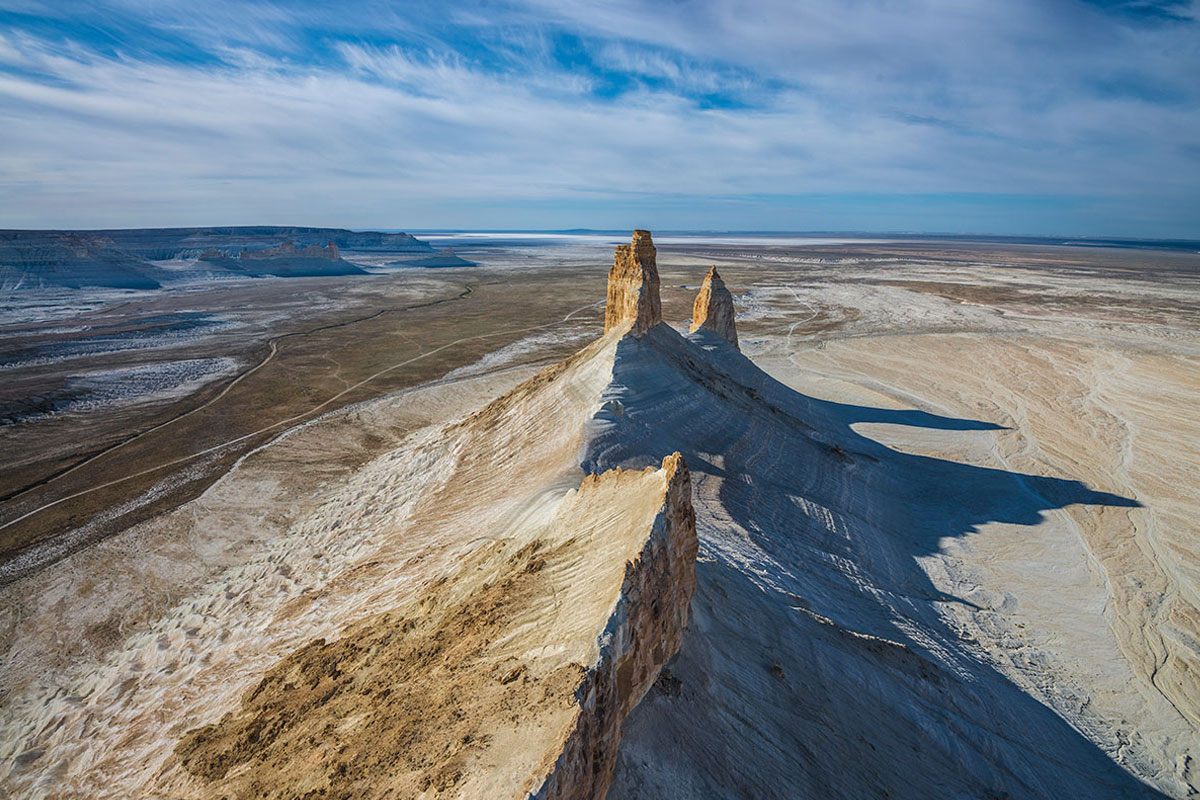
[[286, 260], [644, 631], [714, 308], [507, 677], [633, 286], [289, 250]]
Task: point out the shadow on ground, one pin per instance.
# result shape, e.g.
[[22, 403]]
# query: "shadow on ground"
[[817, 664]]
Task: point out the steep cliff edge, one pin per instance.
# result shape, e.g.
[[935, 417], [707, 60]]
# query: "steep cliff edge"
[[476, 612], [643, 632], [471, 615], [31, 260], [510, 676], [713, 308], [289, 250], [286, 260]]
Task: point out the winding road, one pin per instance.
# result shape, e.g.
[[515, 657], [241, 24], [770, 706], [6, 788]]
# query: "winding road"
[[273, 348]]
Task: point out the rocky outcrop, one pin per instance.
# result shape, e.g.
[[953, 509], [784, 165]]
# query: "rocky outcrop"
[[633, 296], [284, 261], [507, 679], [289, 250], [644, 631], [125, 259], [485, 634], [31, 260], [713, 308]]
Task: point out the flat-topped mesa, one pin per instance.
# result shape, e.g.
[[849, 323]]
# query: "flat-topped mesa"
[[289, 250], [714, 308], [633, 286]]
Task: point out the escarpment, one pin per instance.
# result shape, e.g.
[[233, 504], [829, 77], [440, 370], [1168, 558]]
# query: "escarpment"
[[487, 607], [644, 630], [713, 308], [288, 249], [285, 260], [472, 614], [633, 291], [510, 677]]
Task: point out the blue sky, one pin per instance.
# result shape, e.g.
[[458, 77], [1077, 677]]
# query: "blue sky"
[[1067, 117]]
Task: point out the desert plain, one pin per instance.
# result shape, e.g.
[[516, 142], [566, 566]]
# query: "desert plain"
[[945, 502]]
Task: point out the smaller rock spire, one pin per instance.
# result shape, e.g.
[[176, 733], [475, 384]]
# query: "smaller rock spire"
[[633, 286], [714, 308]]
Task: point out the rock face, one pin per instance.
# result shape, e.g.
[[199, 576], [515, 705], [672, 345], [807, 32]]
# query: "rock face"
[[289, 250], [508, 679], [36, 259], [125, 259], [485, 635], [285, 261], [472, 614], [714, 308], [644, 631], [633, 287]]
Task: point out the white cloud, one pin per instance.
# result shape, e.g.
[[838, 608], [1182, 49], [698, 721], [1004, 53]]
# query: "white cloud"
[[862, 97]]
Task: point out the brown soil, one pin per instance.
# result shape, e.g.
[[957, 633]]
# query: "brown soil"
[[373, 325], [396, 707]]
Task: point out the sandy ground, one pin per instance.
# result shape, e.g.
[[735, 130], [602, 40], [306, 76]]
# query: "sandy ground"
[[954, 546], [150, 397], [1117, 418]]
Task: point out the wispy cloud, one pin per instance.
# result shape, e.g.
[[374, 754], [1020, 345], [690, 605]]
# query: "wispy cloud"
[[523, 113]]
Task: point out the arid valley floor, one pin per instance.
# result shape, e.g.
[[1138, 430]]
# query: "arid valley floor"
[[279, 538]]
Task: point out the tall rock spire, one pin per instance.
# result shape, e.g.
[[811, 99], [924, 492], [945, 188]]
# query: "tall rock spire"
[[633, 286], [714, 308]]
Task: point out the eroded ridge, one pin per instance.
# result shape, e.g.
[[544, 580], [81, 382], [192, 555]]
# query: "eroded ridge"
[[511, 677], [644, 631], [633, 290]]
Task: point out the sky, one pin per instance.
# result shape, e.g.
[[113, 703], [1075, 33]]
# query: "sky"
[[1054, 117]]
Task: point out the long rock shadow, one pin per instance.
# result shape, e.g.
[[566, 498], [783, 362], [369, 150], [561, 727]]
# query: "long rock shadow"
[[818, 664], [973, 495]]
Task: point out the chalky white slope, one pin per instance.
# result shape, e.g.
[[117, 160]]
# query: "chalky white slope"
[[467, 615], [819, 661]]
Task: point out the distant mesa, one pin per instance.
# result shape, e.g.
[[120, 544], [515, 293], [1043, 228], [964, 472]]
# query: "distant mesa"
[[713, 308], [443, 258], [125, 259], [633, 289], [31, 260], [284, 261], [164, 243], [288, 250]]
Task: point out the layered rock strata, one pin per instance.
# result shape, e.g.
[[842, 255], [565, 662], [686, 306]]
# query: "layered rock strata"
[[643, 632], [473, 614], [713, 308], [289, 250], [509, 679], [633, 296]]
